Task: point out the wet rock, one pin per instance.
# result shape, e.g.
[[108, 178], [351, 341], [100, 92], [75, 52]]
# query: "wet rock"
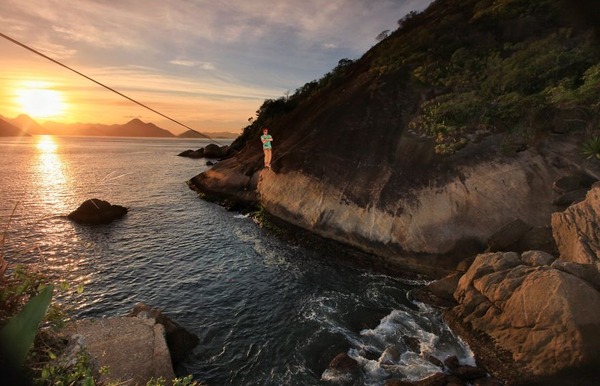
[[455, 381], [468, 373], [192, 153], [451, 362], [185, 153], [437, 379], [95, 211], [179, 340], [390, 356], [342, 370], [210, 163], [435, 361], [440, 293], [487, 381], [398, 382], [412, 343], [370, 354]]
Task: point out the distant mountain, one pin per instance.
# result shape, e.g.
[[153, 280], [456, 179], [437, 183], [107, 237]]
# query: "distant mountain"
[[9, 130], [133, 128], [27, 124], [137, 128], [220, 134]]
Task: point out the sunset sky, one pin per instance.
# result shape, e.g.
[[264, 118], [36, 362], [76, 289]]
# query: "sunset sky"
[[208, 64]]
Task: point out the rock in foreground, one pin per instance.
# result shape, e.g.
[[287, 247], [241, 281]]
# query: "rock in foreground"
[[95, 211], [133, 350]]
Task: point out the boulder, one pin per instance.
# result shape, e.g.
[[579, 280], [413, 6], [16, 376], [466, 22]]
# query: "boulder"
[[133, 350], [215, 151], [95, 211], [341, 370], [576, 230], [192, 153], [537, 258], [545, 319], [185, 153], [179, 340]]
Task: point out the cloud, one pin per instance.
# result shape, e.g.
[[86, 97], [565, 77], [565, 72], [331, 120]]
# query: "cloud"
[[201, 52], [193, 63]]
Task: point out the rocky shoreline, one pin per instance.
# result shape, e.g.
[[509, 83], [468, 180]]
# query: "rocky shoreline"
[[513, 240]]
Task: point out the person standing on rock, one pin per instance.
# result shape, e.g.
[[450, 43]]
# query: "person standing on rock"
[[266, 140]]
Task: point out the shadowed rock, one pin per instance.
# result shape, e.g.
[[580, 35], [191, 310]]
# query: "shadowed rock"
[[179, 340], [95, 211]]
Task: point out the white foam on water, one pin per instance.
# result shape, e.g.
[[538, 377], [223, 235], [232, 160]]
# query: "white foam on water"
[[404, 340]]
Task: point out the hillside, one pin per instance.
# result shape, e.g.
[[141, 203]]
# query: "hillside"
[[9, 130], [455, 89], [465, 130]]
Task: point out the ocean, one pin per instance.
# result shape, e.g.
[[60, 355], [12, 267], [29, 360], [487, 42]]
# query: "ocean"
[[267, 312]]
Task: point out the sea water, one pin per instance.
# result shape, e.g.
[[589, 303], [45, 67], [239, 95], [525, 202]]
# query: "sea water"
[[266, 312]]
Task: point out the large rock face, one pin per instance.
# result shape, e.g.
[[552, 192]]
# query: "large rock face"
[[537, 318], [548, 320], [577, 230], [425, 223]]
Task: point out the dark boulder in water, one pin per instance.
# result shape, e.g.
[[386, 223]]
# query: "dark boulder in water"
[[95, 211]]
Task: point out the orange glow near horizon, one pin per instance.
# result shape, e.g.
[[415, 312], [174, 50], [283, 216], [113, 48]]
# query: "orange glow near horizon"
[[40, 101]]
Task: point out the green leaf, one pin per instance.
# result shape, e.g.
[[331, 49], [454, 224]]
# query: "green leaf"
[[18, 334]]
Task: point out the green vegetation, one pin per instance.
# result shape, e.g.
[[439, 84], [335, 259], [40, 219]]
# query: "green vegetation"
[[514, 69], [29, 325], [519, 67]]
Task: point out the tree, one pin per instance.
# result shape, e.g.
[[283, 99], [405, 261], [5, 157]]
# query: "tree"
[[382, 35]]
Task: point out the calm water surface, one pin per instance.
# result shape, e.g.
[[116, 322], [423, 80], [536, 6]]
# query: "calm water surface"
[[266, 312]]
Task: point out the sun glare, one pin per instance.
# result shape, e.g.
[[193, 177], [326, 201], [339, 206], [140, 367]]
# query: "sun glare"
[[39, 101], [46, 144]]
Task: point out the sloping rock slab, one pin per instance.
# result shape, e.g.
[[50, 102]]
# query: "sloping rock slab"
[[133, 349], [95, 211]]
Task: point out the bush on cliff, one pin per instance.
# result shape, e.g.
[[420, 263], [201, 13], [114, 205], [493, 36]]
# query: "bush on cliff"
[[512, 66]]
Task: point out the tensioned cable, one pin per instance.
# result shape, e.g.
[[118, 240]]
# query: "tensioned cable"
[[103, 85]]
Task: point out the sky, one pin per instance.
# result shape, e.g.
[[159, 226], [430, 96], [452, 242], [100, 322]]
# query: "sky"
[[208, 64]]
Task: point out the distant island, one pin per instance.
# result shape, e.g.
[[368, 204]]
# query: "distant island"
[[219, 134], [24, 125]]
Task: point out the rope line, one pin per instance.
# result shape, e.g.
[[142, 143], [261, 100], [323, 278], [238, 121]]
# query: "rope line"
[[103, 85]]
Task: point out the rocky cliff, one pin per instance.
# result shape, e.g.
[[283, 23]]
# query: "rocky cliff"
[[466, 131], [424, 147], [534, 318]]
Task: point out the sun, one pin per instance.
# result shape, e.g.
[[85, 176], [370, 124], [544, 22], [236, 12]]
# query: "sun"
[[40, 101]]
